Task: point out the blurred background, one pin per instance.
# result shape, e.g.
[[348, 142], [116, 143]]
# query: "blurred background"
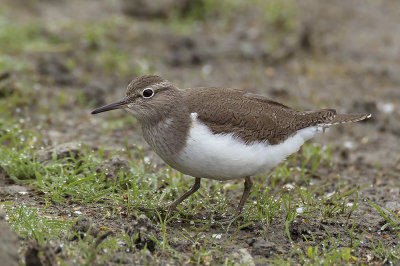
[[60, 59]]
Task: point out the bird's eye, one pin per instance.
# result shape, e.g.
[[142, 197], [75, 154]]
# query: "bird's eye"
[[147, 93]]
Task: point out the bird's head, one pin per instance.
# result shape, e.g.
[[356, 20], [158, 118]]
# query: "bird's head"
[[148, 98]]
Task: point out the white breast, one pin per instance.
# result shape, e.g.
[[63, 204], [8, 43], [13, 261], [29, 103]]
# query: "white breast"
[[224, 157]]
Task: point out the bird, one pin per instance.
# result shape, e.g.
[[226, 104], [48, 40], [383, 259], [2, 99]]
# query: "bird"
[[220, 133]]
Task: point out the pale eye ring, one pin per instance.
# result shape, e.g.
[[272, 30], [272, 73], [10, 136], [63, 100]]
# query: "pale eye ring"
[[147, 93]]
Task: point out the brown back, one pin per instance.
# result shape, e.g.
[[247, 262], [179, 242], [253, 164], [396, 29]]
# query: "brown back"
[[250, 117]]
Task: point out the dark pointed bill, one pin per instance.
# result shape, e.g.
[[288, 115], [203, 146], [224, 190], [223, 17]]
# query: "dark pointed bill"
[[112, 106]]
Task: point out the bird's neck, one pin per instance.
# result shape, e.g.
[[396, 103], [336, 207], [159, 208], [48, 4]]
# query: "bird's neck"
[[167, 136]]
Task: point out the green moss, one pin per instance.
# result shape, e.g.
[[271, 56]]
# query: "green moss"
[[28, 223]]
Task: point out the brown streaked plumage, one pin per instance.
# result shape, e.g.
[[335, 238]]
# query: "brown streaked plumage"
[[190, 129], [253, 117]]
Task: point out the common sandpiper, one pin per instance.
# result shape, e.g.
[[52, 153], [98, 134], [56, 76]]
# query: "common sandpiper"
[[220, 133]]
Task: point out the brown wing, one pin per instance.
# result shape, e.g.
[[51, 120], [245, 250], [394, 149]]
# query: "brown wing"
[[250, 117]]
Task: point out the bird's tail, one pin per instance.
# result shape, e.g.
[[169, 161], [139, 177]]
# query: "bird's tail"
[[325, 118], [345, 118]]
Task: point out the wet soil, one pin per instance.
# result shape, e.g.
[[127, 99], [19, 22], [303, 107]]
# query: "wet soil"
[[9, 243], [343, 54]]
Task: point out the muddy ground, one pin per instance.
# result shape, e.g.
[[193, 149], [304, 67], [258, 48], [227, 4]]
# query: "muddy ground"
[[340, 54]]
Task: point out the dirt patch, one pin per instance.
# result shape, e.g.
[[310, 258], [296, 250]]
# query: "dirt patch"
[[9, 243], [143, 232], [83, 226], [262, 247], [112, 167], [70, 150], [36, 254], [8, 188]]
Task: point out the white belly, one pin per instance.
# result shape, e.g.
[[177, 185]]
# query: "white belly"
[[224, 157]]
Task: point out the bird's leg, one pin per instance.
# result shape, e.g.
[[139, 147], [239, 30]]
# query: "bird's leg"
[[248, 184], [174, 204], [195, 187]]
